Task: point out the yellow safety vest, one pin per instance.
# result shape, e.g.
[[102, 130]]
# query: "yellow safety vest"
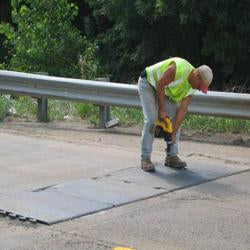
[[180, 87]]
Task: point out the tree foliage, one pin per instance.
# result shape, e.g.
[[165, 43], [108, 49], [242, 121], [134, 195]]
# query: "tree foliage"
[[5, 15], [143, 32], [129, 35], [44, 39]]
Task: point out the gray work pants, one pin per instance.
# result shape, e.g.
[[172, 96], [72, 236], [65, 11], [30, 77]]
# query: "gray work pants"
[[150, 112]]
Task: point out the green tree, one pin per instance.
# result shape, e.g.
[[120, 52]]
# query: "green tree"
[[44, 39], [135, 33], [5, 15], [223, 34]]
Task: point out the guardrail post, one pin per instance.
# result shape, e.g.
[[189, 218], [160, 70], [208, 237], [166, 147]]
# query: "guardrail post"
[[104, 110], [42, 105], [42, 109], [104, 115]]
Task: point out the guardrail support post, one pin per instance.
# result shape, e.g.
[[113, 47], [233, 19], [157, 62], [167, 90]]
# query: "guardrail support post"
[[42, 104], [104, 110], [42, 109], [104, 115]]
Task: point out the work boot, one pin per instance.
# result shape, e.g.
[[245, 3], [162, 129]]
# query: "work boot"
[[147, 165], [174, 162]]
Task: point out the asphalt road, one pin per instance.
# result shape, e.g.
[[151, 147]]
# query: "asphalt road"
[[212, 215]]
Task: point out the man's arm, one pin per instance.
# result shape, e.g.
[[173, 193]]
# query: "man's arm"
[[166, 79], [180, 115]]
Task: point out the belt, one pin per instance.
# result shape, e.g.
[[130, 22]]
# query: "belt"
[[143, 74]]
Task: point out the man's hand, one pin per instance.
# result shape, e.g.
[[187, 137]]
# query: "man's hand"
[[162, 114]]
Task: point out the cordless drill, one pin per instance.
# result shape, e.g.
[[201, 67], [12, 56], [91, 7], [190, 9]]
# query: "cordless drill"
[[164, 129]]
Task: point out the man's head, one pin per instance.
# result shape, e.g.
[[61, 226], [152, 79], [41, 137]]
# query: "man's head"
[[201, 78]]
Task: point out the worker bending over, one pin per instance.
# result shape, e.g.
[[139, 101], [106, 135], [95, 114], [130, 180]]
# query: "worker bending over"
[[166, 89]]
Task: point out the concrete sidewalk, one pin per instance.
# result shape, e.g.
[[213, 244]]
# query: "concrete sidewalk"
[[213, 215]]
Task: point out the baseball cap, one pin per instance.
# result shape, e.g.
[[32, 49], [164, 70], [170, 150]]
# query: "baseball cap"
[[206, 75]]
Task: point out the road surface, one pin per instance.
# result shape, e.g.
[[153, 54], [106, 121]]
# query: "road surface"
[[211, 215]]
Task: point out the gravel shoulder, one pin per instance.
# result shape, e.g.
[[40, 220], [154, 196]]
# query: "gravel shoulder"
[[227, 138]]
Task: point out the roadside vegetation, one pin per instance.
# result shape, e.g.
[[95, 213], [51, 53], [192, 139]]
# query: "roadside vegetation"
[[24, 108]]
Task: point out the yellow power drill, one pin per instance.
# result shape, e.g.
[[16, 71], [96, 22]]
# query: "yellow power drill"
[[164, 129]]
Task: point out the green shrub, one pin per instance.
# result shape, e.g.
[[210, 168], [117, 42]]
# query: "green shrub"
[[43, 39], [88, 111], [2, 107], [216, 124], [127, 116], [59, 110], [25, 106]]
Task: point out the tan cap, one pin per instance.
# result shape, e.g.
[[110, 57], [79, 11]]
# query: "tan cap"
[[206, 74]]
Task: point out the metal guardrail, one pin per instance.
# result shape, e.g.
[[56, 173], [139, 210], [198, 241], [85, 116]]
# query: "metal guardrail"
[[232, 105]]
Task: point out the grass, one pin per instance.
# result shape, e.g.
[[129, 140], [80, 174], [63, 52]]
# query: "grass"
[[216, 124], [60, 110], [3, 108], [127, 116]]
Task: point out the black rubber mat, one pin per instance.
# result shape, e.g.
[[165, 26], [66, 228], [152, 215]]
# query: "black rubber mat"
[[85, 196]]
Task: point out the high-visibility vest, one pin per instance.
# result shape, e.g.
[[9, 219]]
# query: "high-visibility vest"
[[178, 89]]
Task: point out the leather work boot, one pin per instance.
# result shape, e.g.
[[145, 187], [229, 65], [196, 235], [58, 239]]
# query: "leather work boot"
[[175, 162], [147, 165]]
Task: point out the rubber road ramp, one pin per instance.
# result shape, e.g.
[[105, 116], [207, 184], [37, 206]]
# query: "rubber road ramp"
[[85, 196]]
